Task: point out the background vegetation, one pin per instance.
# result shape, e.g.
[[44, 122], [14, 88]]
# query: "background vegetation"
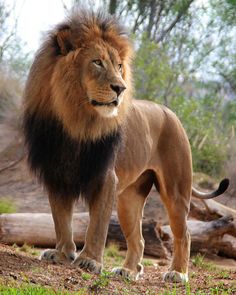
[[185, 59]]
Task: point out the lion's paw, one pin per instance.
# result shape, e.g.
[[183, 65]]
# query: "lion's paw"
[[54, 256], [175, 277], [127, 273], [88, 264]]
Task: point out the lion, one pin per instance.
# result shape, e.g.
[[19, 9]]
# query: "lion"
[[88, 137]]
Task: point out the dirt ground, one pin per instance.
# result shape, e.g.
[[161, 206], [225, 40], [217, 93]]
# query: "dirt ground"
[[18, 186], [19, 268]]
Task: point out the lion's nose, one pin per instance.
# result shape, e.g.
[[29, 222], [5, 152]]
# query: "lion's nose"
[[118, 88]]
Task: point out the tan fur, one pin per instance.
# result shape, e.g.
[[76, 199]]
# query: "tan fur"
[[53, 78], [156, 149]]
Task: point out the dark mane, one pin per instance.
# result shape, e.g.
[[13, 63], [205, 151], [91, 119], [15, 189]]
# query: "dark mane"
[[67, 167]]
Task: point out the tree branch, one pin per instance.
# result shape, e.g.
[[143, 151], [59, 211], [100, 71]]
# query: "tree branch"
[[174, 22]]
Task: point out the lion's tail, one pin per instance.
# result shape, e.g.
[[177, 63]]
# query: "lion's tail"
[[221, 189]]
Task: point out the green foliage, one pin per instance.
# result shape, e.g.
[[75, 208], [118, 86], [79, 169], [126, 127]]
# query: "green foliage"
[[207, 119], [7, 206], [202, 119], [153, 73]]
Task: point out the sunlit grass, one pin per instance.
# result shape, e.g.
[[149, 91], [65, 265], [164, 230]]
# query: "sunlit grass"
[[199, 261], [7, 206], [27, 249], [112, 256]]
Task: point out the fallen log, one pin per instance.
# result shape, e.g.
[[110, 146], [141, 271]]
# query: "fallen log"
[[38, 229], [212, 236], [215, 207], [208, 210]]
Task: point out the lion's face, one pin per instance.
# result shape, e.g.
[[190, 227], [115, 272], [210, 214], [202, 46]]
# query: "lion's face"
[[102, 79], [82, 76]]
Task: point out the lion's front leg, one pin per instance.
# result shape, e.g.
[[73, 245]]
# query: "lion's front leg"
[[100, 208], [62, 211]]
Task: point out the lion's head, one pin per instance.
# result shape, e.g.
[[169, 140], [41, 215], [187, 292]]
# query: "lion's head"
[[82, 76]]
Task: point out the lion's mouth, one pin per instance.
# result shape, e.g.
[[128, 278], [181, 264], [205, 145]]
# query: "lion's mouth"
[[113, 103]]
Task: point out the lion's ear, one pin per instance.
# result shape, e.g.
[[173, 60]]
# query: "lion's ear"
[[64, 41]]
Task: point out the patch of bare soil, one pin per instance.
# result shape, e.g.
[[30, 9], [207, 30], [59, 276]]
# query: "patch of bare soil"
[[17, 268]]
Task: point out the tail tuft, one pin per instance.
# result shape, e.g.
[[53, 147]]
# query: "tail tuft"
[[224, 184]]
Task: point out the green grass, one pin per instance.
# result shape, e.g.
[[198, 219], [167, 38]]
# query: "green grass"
[[147, 262], [7, 206], [86, 276], [28, 290], [27, 249], [112, 255], [112, 250], [103, 279], [199, 261], [224, 274], [37, 290]]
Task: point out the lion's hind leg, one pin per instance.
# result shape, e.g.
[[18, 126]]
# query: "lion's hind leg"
[[177, 200], [65, 251], [130, 212]]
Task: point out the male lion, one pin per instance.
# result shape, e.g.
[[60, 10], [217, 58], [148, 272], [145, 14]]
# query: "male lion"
[[86, 136]]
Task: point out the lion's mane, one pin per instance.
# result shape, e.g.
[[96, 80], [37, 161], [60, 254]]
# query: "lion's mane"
[[70, 149]]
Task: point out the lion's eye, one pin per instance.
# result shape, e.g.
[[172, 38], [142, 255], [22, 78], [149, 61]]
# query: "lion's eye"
[[120, 67], [98, 63]]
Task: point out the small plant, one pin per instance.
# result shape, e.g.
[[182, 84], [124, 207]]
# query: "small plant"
[[198, 260], [103, 280], [86, 276], [224, 274], [7, 206]]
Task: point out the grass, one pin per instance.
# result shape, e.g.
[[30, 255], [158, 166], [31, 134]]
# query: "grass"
[[112, 255], [147, 262], [37, 290], [7, 206], [86, 276], [29, 290], [27, 249], [199, 262], [99, 287]]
